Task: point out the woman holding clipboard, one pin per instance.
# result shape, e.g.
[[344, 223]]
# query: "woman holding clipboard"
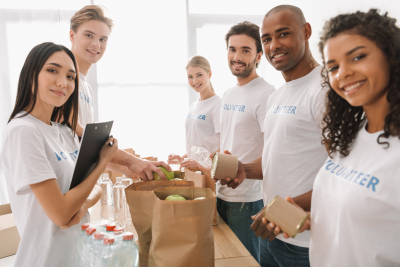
[[202, 121], [39, 158]]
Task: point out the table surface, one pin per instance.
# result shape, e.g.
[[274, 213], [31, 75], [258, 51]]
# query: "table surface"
[[229, 251]]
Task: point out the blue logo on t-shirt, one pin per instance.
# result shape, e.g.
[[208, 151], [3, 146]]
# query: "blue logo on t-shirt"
[[86, 98], [282, 109], [233, 107], [64, 156], [197, 116], [360, 178]]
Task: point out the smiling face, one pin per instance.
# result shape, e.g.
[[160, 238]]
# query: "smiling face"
[[198, 78], [283, 39], [242, 55], [56, 80], [89, 42], [358, 70]]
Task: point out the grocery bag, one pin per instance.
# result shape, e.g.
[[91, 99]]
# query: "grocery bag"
[[182, 233], [204, 181], [140, 197]]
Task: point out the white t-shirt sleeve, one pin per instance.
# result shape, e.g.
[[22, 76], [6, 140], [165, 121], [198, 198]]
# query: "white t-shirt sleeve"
[[25, 159], [216, 117], [320, 107], [261, 109]]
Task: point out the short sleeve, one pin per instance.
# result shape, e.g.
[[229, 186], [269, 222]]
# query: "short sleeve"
[[216, 117], [261, 108], [24, 159], [319, 108]]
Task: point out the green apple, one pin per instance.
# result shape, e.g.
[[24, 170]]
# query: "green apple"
[[175, 198], [199, 198], [168, 174]]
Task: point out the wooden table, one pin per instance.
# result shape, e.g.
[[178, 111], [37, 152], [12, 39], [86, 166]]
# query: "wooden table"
[[229, 251]]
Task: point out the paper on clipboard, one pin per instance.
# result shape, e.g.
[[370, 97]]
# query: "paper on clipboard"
[[94, 137]]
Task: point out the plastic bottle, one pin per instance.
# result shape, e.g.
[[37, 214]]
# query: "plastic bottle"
[[174, 164], [119, 202], [129, 251], [201, 155], [95, 248], [86, 244], [108, 253], [117, 233], [127, 182], [107, 209], [79, 240]]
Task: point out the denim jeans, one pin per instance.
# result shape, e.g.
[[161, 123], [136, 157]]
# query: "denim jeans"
[[281, 254], [238, 216]]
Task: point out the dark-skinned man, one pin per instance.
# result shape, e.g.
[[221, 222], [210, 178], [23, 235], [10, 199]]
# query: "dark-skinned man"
[[293, 152]]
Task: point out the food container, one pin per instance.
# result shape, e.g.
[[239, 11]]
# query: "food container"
[[285, 215], [223, 166]]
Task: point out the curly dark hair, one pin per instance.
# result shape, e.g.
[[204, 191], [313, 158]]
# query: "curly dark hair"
[[342, 120]]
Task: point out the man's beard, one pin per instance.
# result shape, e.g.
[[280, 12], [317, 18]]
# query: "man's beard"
[[247, 70]]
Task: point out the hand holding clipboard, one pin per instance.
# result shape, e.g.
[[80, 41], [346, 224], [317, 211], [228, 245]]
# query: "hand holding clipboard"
[[94, 138]]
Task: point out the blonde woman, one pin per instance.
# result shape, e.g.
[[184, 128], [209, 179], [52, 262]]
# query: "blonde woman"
[[202, 121]]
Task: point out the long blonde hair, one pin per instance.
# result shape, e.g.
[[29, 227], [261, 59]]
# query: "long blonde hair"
[[201, 62]]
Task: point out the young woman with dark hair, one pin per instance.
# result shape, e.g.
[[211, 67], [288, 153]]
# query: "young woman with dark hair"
[[39, 158], [355, 209]]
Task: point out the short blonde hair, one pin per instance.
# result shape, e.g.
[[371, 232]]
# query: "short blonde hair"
[[90, 12], [201, 62]]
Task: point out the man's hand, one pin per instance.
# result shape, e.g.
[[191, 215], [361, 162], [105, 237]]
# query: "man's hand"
[[174, 156], [277, 230], [189, 163], [241, 175], [145, 169], [259, 226]]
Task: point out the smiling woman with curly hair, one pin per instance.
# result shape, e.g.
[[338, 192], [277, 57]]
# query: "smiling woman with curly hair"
[[355, 209]]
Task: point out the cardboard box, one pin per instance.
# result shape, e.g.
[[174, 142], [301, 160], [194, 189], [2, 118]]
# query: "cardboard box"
[[8, 232]]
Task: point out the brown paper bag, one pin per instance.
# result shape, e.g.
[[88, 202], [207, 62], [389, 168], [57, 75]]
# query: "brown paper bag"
[[204, 181], [182, 233], [140, 197]]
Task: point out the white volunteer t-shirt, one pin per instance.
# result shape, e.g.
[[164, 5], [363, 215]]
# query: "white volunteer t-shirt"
[[86, 102], [293, 153], [242, 118], [32, 153], [202, 125], [355, 211]]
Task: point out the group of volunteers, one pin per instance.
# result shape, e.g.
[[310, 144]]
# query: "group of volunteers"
[[327, 139]]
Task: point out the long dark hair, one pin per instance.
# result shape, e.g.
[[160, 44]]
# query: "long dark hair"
[[26, 100], [343, 121]]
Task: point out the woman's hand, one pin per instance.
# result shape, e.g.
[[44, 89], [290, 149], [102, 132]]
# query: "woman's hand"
[[76, 218], [188, 163], [276, 230], [107, 152], [173, 156]]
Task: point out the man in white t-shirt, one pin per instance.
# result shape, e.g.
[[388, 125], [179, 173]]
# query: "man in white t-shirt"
[[242, 116], [293, 152], [89, 33]]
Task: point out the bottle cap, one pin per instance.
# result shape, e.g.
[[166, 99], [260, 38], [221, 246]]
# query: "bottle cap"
[[90, 230], [85, 226], [127, 236], [118, 230], [99, 235], [193, 149], [105, 176], [109, 240], [118, 179], [110, 226]]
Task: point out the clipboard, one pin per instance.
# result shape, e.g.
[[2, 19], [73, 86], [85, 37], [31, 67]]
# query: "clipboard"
[[94, 137]]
